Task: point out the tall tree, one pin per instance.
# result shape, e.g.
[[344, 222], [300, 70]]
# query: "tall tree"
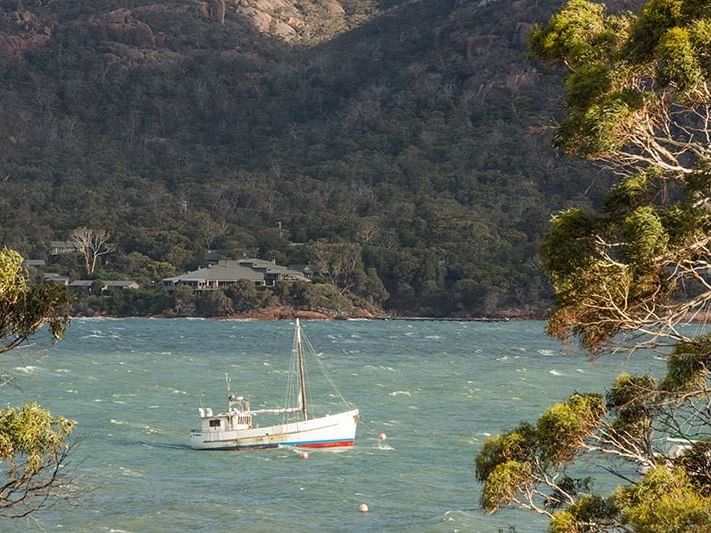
[[33, 444], [628, 276], [92, 244], [338, 262]]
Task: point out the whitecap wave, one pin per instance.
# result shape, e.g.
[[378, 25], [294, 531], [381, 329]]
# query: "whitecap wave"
[[29, 369], [546, 353], [400, 393], [130, 473], [555, 372]]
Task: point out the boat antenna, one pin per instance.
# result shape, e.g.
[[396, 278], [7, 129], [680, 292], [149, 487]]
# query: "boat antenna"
[[228, 383]]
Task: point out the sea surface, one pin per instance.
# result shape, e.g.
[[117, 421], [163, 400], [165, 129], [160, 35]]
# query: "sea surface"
[[436, 389]]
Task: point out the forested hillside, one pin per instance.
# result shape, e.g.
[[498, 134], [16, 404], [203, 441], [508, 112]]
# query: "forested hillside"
[[416, 134]]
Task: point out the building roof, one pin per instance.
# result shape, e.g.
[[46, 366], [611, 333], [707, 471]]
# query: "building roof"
[[225, 270], [119, 283], [35, 262], [62, 244], [230, 270], [55, 278], [81, 283]]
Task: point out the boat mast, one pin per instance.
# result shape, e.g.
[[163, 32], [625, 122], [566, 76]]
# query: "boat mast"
[[302, 373]]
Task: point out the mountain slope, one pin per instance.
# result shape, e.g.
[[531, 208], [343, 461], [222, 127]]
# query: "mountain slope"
[[417, 131]]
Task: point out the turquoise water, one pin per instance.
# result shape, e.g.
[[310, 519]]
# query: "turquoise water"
[[437, 389]]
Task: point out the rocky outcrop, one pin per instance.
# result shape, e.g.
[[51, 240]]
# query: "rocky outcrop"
[[13, 44], [480, 46], [307, 21], [22, 30], [123, 27], [522, 33], [212, 10]]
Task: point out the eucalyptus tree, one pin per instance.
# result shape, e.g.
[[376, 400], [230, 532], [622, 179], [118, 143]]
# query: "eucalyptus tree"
[[631, 275], [92, 244], [33, 444]]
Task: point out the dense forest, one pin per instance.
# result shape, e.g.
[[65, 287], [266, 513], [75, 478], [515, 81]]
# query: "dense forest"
[[416, 135]]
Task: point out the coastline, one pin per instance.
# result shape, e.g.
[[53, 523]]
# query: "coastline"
[[290, 313]]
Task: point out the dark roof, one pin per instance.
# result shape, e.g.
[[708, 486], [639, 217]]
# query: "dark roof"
[[62, 244], [231, 270], [119, 283], [81, 283]]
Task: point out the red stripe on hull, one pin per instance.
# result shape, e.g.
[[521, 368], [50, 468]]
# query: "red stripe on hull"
[[340, 443]]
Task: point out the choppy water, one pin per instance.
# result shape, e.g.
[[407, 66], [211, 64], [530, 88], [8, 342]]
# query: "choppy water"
[[437, 389]]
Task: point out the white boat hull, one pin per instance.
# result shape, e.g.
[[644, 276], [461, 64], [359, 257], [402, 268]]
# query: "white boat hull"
[[323, 432]]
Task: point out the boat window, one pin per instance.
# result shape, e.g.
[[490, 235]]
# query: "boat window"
[[214, 423]]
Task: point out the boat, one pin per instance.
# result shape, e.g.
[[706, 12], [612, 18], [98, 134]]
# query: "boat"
[[235, 429]]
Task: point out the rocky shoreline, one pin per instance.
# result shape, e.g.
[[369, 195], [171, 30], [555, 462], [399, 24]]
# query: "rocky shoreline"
[[290, 313]]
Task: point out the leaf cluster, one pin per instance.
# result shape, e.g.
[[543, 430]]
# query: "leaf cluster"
[[663, 501], [512, 463], [610, 267], [25, 308], [688, 367], [28, 435], [32, 440], [622, 66]]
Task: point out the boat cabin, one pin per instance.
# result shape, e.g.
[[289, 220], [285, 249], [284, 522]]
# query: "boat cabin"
[[238, 416]]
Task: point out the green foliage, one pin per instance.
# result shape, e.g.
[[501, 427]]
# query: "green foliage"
[[32, 441], [581, 299], [678, 63], [28, 435], [510, 463], [639, 101], [696, 462], [503, 483], [213, 303], [25, 308], [630, 392], [245, 296], [570, 33], [645, 237], [563, 522], [562, 429], [517, 445], [688, 366], [134, 302], [664, 501], [632, 192], [569, 243], [318, 296], [611, 57], [589, 513], [632, 400]]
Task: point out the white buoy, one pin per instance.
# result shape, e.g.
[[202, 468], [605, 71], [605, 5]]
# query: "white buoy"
[[303, 455], [363, 508], [382, 436]]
